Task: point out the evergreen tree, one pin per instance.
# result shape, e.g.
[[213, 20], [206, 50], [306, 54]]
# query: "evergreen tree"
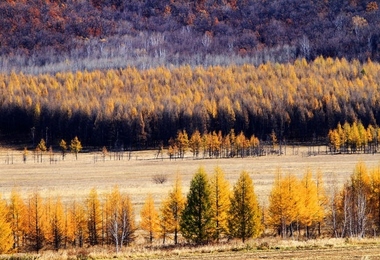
[[197, 217], [244, 214]]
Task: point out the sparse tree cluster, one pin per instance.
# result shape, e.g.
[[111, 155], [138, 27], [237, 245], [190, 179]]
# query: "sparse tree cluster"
[[214, 145]]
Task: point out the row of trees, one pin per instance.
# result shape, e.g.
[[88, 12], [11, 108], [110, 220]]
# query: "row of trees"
[[211, 212], [75, 147], [139, 108], [213, 145], [37, 223], [354, 138]]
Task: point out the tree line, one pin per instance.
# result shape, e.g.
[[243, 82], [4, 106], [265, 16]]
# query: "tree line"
[[130, 108], [354, 138], [92, 34], [211, 212]]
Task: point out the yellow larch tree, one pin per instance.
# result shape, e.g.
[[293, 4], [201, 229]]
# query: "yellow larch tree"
[[6, 236], [149, 218], [309, 204], [36, 228], [57, 223], [94, 218], [322, 200], [17, 217], [220, 202], [244, 214], [77, 224], [283, 204], [195, 143], [171, 210]]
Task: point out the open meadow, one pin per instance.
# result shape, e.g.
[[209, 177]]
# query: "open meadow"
[[134, 173]]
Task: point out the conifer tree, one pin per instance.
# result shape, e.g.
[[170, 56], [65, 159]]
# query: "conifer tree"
[[63, 147], [75, 146], [197, 217], [244, 214], [220, 202], [309, 204], [171, 210], [56, 230], [283, 203], [77, 223], [94, 217], [149, 218], [17, 218], [35, 228], [195, 143], [6, 237]]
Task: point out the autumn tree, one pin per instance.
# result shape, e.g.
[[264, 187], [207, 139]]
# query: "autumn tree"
[[195, 143], [56, 218], [75, 146], [244, 214], [171, 210], [94, 218], [182, 141], [63, 147], [310, 209], [40, 149], [120, 218], [78, 224], [6, 236], [220, 202], [149, 218], [283, 204], [17, 217], [36, 228], [197, 217]]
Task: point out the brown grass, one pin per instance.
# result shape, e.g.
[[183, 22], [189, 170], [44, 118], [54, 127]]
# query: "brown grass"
[[73, 179]]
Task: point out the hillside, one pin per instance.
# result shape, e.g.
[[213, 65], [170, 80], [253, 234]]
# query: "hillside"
[[78, 35], [143, 108]]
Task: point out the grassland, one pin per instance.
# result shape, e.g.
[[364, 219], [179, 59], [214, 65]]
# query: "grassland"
[[72, 179]]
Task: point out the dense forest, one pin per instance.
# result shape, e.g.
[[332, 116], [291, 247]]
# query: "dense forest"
[[144, 108], [56, 35]]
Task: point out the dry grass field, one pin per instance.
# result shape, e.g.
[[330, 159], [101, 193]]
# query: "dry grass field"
[[72, 179]]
